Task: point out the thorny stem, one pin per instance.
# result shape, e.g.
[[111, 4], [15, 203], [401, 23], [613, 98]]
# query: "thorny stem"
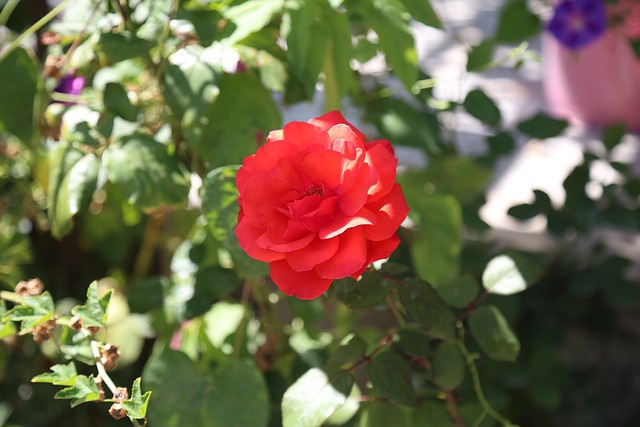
[[394, 309], [452, 406], [96, 357], [472, 306], [35, 27], [123, 12], [475, 377]]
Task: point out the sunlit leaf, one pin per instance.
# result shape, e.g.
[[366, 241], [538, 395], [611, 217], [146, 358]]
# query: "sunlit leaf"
[[84, 389], [94, 311], [34, 310], [136, 405], [64, 375], [313, 398]]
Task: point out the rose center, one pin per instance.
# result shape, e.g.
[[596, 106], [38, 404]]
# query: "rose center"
[[314, 190]]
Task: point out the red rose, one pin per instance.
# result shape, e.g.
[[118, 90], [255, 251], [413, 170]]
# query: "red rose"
[[318, 204]]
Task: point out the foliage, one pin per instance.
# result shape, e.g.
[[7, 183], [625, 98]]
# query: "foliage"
[[121, 199]]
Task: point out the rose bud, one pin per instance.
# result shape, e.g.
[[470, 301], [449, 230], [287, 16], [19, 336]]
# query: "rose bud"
[[318, 203]]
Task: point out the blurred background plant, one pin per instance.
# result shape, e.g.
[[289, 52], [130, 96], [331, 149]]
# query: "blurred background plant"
[[122, 124]]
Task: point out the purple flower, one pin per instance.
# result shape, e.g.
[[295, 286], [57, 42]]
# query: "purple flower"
[[71, 84], [576, 23]]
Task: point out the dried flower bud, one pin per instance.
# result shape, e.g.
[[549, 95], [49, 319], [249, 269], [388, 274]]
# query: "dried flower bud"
[[31, 287], [98, 381], [44, 331], [117, 411], [53, 66], [75, 323], [110, 355], [49, 37], [121, 394], [93, 329]]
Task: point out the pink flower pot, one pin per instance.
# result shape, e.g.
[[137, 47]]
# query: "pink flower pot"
[[598, 84]]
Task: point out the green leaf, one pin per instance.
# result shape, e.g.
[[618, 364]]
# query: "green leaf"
[[517, 23], [432, 414], [212, 283], [436, 248], [384, 414], [414, 342], [64, 375], [34, 310], [613, 135], [115, 99], [148, 175], [7, 328], [395, 38], [390, 375], [314, 397], [147, 294], [459, 292], [307, 40], [491, 331], [94, 312], [351, 351], [136, 406], [480, 106], [241, 116], [233, 395], [190, 86], [369, 291], [422, 11], [220, 201], [447, 366], [251, 16], [339, 77], [424, 305], [84, 389], [220, 208], [399, 122], [542, 126], [480, 57], [223, 320], [501, 143], [73, 178], [20, 80], [510, 274], [123, 45], [462, 177]]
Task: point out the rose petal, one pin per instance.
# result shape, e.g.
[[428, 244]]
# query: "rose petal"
[[326, 167], [333, 118], [273, 240], [304, 285], [349, 258], [247, 236], [345, 132], [379, 250], [341, 223], [390, 211], [383, 161], [313, 254], [305, 134], [357, 195]]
